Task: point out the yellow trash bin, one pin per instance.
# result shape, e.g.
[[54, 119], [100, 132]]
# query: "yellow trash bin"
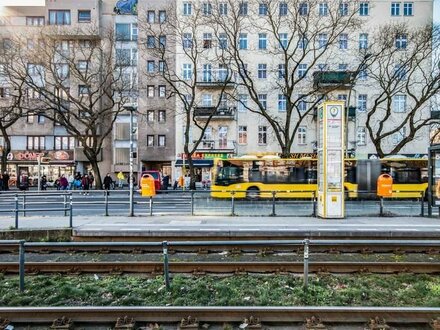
[[147, 186]]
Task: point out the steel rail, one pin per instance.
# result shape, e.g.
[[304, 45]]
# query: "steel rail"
[[265, 314], [201, 268]]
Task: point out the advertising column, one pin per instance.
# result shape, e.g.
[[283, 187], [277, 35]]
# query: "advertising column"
[[331, 160]]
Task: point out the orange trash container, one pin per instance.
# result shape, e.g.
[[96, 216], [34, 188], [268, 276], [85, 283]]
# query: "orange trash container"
[[384, 185], [147, 186]]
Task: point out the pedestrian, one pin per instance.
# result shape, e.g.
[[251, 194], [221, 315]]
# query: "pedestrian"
[[6, 178], [71, 180], [77, 181], [121, 179], [1, 182], [181, 181], [43, 183], [85, 183], [24, 182], [91, 179], [107, 183], [63, 182], [165, 182]]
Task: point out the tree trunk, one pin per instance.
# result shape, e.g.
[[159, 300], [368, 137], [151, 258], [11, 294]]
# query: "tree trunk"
[[6, 151], [192, 173], [97, 173]]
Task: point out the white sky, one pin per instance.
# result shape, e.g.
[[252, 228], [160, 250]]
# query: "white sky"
[[22, 2]]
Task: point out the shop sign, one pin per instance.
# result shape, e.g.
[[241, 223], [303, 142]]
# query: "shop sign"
[[201, 155], [32, 156]]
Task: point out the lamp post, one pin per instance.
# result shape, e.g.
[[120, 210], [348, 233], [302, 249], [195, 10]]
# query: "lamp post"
[[131, 184]]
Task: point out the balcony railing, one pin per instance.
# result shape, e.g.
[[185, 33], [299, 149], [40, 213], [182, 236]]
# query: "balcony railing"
[[333, 79], [216, 78], [214, 146], [215, 113]]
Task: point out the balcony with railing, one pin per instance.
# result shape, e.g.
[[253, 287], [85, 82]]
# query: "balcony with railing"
[[222, 112], [216, 146], [219, 78], [333, 79]]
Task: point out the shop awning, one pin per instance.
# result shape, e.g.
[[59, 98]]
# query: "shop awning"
[[196, 162]]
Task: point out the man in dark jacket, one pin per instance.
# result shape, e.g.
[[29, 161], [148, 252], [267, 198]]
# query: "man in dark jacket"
[[107, 182], [6, 178]]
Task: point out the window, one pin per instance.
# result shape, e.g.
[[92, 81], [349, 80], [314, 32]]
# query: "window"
[[187, 8], [302, 102], [399, 103], [361, 136], [302, 135], [162, 16], [162, 91], [242, 102], [207, 100], [151, 16], [262, 98], [363, 41], [162, 66], [243, 41], [62, 70], [35, 20], [242, 135], [399, 136], [243, 8], [30, 118], [262, 135], [281, 71], [303, 42], [161, 140], [262, 9], [207, 72], [283, 40], [84, 16], [343, 41], [362, 102], [150, 140], [187, 40], [343, 9], [122, 57], [207, 8], [322, 40], [323, 9], [150, 66], [363, 74], [223, 8], [123, 31], [262, 71], [282, 102], [401, 41], [59, 17], [83, 90], [134, 32], [162, 41], [36, 143], [342, 97], [64, 143], [283, 8], [150, 91], [187, 71], [243, 69], [302, 70], [364, 9], [407, 9], [150, 116], [262, 41], [207, 40], [85, 43], [303, 9], [161, 117], [395, 8], [400, 71], [151, 42], [82, 65], [342, 67], [222, 41], [4, 92]]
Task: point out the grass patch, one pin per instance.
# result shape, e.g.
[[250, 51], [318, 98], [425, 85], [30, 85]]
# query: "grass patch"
[[244, 290]]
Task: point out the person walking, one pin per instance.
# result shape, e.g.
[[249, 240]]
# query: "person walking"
[[63, 182], [91, 179], [85, 183], [6, 178], [107, 183], [121, 179], [165, 181], [70, 180]]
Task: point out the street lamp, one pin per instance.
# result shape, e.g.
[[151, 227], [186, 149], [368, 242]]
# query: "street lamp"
[[131, 184]]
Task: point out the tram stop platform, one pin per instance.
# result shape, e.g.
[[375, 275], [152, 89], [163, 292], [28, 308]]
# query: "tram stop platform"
[[183, 227]]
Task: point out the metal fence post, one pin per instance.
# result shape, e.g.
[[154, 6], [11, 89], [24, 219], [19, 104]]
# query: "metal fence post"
[[21, 265], [70, 211], [381, 207], [16, 211], [232, 203], [165, 264], [306, 263], [314, 204], [106, 202], [151, 205], [65, 205], [192, 202], [422, 204], [24, 205], [273, 203]]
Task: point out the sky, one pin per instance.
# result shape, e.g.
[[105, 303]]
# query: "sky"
[[22, 2], [436, 11]]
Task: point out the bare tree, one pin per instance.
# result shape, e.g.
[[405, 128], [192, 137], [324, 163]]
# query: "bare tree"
[[178, 39], [295, 38], [81, 85], [405, 73]]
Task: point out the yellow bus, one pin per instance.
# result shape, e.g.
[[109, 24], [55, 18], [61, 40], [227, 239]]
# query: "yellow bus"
[[258, 177]]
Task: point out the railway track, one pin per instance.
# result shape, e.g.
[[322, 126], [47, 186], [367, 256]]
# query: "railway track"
[[211, 268], [258, 317]]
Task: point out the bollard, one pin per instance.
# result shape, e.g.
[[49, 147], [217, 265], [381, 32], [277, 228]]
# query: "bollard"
[[314, 204], [165, 264], [306, 263], [422, 204], [273, 203], [151, 205], [21, 265], [70, 211], [381, 207], [16, 211], [24, 205], [65, 205], [192, 202], [106, 203], [232, 203]]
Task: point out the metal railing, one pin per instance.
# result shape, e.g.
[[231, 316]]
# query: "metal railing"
[[307, 244]]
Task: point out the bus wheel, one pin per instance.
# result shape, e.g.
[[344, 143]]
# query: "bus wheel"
[[252, 193]]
